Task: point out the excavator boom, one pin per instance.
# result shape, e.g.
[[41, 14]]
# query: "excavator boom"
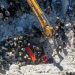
[[48, 30]]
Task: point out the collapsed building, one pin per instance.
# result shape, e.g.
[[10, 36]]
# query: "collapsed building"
[[56, 48]]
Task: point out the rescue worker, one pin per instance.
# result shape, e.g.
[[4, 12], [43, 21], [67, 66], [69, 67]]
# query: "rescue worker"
[[37, 32], [12, 9], [45, 3], [2, 11], [1, 14], [69, 12], [50, 3], [48, 9], [58, 7]]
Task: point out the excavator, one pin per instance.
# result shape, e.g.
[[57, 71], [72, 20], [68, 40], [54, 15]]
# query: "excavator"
[[48, 29]]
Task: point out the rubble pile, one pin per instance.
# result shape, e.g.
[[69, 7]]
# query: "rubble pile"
[[23, 48]]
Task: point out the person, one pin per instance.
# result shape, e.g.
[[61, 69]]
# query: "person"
[[17, 5], [60, 28], [58, 7], [50, 3], [69, 12], [48, 10], [27, 8], [2, 11], [12, 9], [45, 3], [1, 14], [7, 15], [40, 2], [58, 21], [37, 32], [38, 52], [45, 58], [9, 1]]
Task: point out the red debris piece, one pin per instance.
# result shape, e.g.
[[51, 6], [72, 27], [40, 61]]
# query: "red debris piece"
[[31, 54]]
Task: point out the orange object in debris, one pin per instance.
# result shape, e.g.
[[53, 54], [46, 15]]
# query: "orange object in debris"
[[31, 54]]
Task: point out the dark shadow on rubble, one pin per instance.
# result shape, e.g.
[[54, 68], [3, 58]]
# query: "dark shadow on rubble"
[[51, 59], [61, 58], [58, 66], [61, 42]]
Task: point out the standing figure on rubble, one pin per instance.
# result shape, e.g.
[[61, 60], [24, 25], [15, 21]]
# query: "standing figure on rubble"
[[61, 29], [58, 7], [48, 9], [69, 12], [60, 38], [12, 9], [44, 3], [50, 3], [40, 2], [3, 12]]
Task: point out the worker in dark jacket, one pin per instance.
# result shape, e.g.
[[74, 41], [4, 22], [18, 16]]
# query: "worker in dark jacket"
[[12, 9], [44, 3]]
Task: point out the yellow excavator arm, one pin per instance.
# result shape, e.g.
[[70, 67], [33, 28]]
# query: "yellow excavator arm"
[[48, 30]]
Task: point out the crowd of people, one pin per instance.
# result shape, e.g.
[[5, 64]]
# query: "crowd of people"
[[14, 9], [21, 49], [17, 7]]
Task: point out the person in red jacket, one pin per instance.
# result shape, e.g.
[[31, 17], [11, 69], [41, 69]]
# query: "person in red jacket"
[[45, 58]]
